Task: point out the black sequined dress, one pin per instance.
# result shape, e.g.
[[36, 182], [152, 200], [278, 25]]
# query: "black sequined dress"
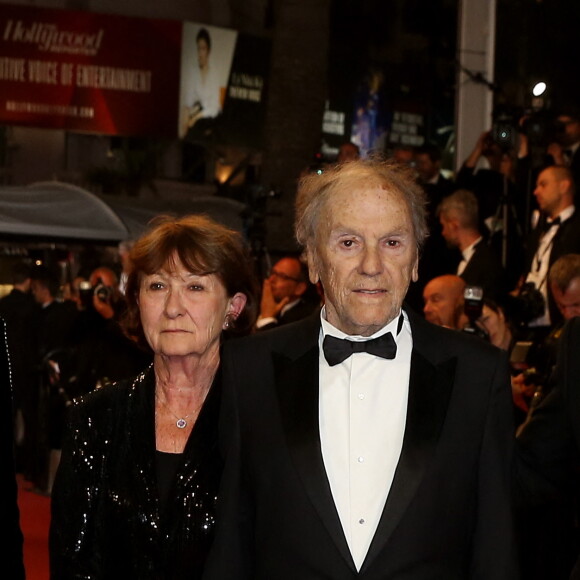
[[106, 517]]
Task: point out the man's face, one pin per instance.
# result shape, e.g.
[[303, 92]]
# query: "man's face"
[[202, 53], [443, 303], [347, 152], [571, 130], [365, 257], [404, 156], [549, 192], [285, 280], [568, 302], [426, 168], [38, 291], [449, 230]]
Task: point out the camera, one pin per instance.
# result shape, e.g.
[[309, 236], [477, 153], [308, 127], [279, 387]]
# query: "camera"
[[505, 131], [473, 308], [528, 305], [539, 126], [87, 291]]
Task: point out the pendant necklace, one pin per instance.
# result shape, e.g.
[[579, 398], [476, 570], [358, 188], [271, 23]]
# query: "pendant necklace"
[[181, 422]]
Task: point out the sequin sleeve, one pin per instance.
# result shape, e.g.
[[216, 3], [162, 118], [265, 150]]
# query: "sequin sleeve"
[[76, 492]]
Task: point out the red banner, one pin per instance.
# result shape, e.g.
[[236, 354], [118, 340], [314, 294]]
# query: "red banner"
[[90, 72]]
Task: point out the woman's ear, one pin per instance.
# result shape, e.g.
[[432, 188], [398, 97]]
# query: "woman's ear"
[[237, 304]]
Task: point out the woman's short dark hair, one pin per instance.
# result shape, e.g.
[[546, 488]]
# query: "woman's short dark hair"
[[204, 247]]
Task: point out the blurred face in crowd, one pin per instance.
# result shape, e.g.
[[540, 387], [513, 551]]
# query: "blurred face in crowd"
[[568, 302], [551, 192], [403, 155], [426, 168], [40, 292], [347, 152], [443, 301], [494, 323], [449, 227], [570, 133], [285, 280], [365, 257]]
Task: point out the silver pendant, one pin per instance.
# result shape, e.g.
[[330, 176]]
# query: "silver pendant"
[[181, 423]]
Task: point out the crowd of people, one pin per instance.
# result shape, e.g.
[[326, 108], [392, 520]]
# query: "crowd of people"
[[396, 400]]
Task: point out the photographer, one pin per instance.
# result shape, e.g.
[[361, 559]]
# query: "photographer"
[[104, 353], [494, 171], [530, 387], [564, 147]]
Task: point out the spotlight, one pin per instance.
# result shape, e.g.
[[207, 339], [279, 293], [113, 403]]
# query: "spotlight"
[[539, 89]]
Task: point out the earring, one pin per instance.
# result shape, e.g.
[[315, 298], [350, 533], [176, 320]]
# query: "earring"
[[228, 322]]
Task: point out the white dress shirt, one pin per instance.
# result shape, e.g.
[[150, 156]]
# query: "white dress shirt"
[[362, 413], [466, 254], [540, 265]]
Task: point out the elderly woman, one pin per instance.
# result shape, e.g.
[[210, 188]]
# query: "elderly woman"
[[135, 493]]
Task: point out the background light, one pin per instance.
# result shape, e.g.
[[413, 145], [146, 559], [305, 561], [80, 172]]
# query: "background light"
[[539, 89]]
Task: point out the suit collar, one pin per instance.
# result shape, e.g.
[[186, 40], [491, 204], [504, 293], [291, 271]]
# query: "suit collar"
[[431, 381]]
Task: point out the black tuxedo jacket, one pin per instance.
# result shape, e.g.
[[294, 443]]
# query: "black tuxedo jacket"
[[484, 269], [448, 513], [566, 241]]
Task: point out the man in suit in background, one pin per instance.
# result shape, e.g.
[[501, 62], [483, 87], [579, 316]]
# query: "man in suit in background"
[[287, 295], [364, 442], [437, 258], [556, 233], [479, 266]]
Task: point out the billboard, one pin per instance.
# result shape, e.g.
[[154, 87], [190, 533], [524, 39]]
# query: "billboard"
[[116, 75], [88, 72]]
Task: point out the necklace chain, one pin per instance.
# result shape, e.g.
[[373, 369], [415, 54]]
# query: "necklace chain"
[[181, 422]]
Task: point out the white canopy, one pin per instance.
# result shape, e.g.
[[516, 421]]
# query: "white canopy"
[[61, 211]]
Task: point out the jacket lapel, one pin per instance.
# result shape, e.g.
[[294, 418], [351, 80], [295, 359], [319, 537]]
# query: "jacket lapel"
[[297, 388], [430, 387]]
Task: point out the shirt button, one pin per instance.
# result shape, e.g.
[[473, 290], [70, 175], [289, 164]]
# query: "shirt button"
[[361, 396], [361, 521], [360, 459]]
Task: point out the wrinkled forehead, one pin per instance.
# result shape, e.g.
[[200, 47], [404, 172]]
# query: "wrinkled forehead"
[[344, 197]]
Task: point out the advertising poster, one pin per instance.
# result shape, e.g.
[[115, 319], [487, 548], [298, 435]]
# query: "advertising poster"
[[245, 104], [89, 72], [206, 60]]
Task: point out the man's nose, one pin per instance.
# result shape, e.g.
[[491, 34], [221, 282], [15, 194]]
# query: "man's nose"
[[371, 263]]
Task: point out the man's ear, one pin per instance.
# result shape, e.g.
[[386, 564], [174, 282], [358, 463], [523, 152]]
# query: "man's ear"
[[312, 267], [415, 271]]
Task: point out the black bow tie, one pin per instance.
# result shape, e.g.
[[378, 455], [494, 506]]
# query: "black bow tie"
[[547, 225], [337, 350]]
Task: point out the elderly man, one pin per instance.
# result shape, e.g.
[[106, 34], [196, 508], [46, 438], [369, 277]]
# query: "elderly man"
[[364, 442]]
